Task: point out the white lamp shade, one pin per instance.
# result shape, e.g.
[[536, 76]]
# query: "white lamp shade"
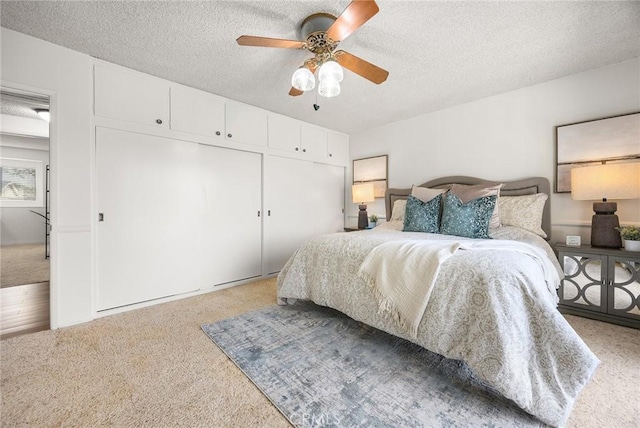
[[329, 88], [611, 181], [362, 192], [330, 70], [303, 79]]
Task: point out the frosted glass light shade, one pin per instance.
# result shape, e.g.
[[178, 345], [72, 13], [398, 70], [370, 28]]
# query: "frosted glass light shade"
[[303, 79], [362, 192], [612, 181], [330, 70], [329, 88]]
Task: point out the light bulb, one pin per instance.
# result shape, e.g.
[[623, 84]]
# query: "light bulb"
[[331, 70], [329, 88], [303, 79]]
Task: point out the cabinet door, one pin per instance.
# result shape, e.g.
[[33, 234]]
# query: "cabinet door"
[[197, 112], [232, 230], [150, 197], [284, 133], [624, 288], [289, 220], [314, 141], [584, 282], [338, 148], [127, 95], [327, 200], [246, 124]]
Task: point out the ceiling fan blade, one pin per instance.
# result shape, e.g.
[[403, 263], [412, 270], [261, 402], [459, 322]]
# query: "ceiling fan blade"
[[311, 64], [359, 66], [269, 42], [357, 13]]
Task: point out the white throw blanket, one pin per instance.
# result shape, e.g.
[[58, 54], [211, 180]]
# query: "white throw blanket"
[[402, 273]]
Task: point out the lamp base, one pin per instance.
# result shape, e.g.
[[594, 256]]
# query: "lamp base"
[[604, 224], [363, 217]]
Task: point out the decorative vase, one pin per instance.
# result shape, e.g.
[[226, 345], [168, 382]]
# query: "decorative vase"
[[372, 224], [631, 245]]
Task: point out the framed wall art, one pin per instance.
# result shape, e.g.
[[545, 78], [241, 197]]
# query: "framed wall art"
[[372, 170], [609, 140]]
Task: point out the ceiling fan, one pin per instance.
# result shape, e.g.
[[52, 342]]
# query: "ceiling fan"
[[323, 34]]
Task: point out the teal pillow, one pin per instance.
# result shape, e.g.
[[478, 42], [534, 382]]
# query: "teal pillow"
[[470, 220], [422, 216]]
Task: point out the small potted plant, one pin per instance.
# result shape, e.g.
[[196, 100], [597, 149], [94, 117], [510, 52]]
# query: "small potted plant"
[[631, 237], [373, 220]]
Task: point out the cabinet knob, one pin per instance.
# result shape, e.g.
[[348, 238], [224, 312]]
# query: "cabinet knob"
[[330, 155], [229, 135], [297, 149], [217, 132], [304, 150], [159, 121]]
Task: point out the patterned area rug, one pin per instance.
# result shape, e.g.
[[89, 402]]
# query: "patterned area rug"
[[321, 368]]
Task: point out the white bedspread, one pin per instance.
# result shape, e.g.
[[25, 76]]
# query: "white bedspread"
[[401, 274], [489, 308]]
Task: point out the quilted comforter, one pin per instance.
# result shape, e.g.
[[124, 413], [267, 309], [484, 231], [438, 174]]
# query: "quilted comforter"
[[491, 309]]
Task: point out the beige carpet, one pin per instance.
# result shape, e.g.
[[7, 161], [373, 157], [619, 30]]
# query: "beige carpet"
[[154, 367], [23, 264]]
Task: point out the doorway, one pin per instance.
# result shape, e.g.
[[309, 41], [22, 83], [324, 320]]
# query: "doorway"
[[24, 213]]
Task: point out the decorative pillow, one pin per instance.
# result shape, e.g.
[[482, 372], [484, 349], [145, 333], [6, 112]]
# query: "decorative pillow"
[[425, 194], [524, 212], [470, 220], [422, 216], [398, 210], [467, 193]]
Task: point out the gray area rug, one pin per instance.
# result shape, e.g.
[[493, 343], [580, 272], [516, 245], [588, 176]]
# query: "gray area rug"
[[321, 368]]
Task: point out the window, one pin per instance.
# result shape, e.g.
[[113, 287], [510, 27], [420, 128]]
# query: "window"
[[22, 183]]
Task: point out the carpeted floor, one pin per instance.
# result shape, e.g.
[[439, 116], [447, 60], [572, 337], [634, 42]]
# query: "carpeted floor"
[[23, 264], [155, 367]]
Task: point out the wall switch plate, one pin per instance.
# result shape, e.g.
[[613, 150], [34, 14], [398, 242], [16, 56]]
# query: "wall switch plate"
[[573, 241]]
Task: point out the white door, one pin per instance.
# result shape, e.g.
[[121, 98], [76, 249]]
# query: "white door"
[[232, 230], [197, 112], [314, 141], [151, 201], [245, 123], [288, 185], [328, 199], [284, 133], [338, 148]]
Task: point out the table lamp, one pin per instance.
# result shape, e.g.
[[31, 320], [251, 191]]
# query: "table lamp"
[[361, 194], [614, 181]]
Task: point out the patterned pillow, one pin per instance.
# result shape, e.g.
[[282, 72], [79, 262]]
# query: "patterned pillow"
[[467, 193], [470, 220], [422, 216], [398, 210], [524, 212]]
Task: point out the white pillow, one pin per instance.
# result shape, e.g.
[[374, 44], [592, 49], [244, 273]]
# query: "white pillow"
[[425, 194], [397, 212], [524, 212]]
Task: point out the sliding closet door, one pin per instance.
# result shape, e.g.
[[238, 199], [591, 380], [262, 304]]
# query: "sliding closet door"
[[232, 230], [150, 201], [328, 198]]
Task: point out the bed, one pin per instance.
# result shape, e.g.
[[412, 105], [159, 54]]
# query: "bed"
[[490, 302]]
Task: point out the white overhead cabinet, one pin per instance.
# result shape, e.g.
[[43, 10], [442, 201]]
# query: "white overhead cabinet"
[[232, 227], [302, 199], [313, 141], [284, 133], [246, 124], [150, 210], [338, 148], [126, 95], [197, 112]]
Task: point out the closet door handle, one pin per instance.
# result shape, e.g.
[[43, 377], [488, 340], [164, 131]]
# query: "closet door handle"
[[269, 213], [100, 216], [258, 213]]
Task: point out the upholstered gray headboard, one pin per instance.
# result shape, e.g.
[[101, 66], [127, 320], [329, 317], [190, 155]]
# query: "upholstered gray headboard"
[[527, 186]]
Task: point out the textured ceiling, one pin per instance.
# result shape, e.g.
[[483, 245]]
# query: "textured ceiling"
[[439, 54]]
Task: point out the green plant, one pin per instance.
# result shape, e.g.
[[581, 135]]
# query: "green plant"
[[630, 233], [373, 218]]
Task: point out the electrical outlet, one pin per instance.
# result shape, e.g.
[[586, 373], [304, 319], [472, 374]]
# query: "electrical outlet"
[[573, 241]]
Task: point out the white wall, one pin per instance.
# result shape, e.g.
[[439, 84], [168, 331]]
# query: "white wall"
[[31, 64], [506, 137], [19, 225]]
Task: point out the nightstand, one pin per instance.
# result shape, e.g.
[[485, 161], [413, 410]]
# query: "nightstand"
[[600, 283]]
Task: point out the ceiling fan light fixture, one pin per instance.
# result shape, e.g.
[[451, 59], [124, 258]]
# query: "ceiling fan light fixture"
[[303, 79], [330, 70], [329, 88]]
